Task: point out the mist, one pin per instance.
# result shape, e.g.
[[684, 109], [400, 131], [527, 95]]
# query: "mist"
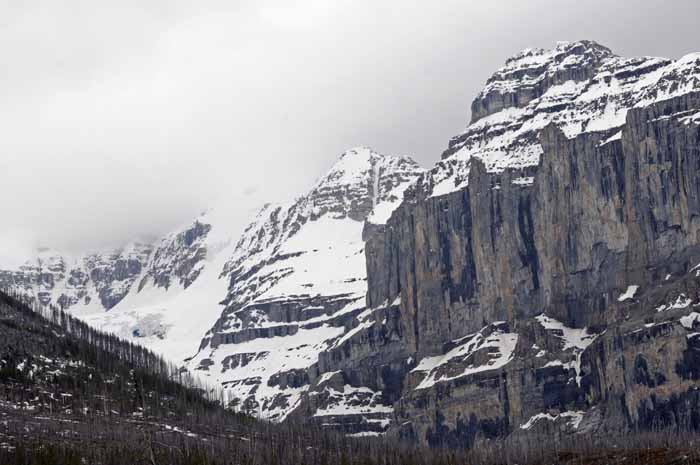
[[122, 121]]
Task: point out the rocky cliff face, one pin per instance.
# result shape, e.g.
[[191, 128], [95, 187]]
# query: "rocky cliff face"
[[179, 258], [533, 269]]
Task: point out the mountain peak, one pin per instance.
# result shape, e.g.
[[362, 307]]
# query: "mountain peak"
[[359, 151], [360, 180], [529, 74], [562, 50]]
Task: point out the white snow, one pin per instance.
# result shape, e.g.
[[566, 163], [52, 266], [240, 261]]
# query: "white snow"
[[327, 376], [694, 118], [375, 185], [437, 368], [574, 339], [614, 137], [354, 401], [690, 320], [574, 419], [681, 302], [629, 293], [365, 434], [382, 212], [524, 181]]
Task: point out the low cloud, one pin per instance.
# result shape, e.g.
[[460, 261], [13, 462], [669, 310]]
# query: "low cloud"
[[123, 121]]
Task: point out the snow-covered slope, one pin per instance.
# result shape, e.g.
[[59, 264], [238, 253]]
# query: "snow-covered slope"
[[298, 285], [179, 291], [578, 86], [256, 305], [164, 295]]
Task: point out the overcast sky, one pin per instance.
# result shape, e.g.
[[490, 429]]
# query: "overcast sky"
[[123, 119]]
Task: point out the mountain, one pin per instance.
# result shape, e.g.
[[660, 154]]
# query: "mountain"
[[541, 279], [134, 292], [95, 281], [544, 272], [298, 270], [177, 297], [580, 87], [297, 286]]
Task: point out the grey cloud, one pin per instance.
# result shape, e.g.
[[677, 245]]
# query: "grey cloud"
[[121, 121]]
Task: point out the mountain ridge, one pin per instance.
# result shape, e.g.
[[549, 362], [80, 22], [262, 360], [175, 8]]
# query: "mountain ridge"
[[516, 285]]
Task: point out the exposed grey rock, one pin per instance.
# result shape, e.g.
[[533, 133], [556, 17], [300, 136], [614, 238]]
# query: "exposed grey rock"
[[178, 256], [565, 239]]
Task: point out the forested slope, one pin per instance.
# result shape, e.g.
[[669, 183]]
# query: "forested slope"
[[70, 394]]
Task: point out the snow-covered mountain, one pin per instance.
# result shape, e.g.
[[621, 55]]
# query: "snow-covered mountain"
[[297, 287], [177, 297], [95, 281], [254, 309], [581, 87], [138, 292]]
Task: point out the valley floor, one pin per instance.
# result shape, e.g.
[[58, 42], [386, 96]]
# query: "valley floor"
[[30, 437]]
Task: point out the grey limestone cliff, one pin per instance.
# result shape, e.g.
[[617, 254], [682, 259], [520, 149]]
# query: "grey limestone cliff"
[[557, 291]]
